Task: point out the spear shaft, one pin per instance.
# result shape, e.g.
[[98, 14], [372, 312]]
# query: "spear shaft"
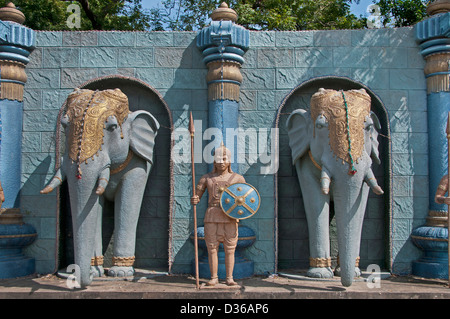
[[192, 131]]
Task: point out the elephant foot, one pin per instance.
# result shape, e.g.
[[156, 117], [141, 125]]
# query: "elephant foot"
[[320, 272], [121, 271], [97, 271], [337, 272]]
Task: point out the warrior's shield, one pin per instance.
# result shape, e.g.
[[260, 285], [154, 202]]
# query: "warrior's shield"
[[240, 201]]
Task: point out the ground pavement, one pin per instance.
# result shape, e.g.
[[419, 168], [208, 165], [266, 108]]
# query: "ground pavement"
[[147, 284]]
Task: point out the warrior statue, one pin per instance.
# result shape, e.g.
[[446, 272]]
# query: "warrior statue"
[[219, 228]]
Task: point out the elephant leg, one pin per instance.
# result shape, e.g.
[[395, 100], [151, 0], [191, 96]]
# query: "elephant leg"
[[317, 215], [127, 206]]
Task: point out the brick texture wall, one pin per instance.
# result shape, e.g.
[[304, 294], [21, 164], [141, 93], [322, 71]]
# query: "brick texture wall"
[[386, 60]]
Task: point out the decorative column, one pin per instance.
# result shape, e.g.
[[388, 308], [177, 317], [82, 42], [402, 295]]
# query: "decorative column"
[[16, 44], [433, 35], [223, 44]]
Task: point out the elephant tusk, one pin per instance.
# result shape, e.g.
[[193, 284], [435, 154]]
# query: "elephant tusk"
[[100, 190], [55, 182], [47, 190], [373, 184], [103, 181], [325, 181]]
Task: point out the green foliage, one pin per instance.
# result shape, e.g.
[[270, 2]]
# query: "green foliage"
[[95, 14], [297, 15], [260, 14], [188, 15], [43, 14], [402, 13]]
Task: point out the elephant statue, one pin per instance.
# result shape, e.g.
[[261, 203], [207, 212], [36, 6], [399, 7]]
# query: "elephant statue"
[[332, 147], [109, 155]]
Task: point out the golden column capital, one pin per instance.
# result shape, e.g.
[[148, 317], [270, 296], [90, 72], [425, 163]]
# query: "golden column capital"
[[437, 72], [224, 79], [13, 80]]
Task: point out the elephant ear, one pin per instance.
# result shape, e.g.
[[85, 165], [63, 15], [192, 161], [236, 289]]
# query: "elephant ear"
[[375, 154], [298, 126], [144, 128]]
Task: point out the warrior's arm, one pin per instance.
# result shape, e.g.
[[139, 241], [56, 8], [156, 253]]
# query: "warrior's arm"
[[2, 195], [199, 191], [441, 190]]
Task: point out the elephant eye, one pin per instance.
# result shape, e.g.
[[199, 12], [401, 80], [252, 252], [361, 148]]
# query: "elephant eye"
[[111, 126], [65, 121], [321, 122], [369, 127]]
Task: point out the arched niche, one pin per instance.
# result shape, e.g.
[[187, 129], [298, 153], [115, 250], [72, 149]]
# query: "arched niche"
[[292, 246], [154, 226]]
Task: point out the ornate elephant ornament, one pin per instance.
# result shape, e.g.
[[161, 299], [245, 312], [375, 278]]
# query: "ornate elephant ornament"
[[345, 113], [87, 112]]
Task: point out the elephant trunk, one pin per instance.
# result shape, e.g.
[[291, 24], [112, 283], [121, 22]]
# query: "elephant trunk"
[[85, 206], [349, 210]]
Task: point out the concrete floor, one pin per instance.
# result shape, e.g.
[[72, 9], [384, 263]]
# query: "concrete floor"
[[159, 285]]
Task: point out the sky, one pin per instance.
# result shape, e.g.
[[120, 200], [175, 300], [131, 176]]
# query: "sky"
[[357, 9]]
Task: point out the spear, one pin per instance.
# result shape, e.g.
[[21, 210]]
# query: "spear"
[[192, 131], [448, 210]]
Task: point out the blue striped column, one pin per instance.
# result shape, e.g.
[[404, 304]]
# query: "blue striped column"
[[16, 44], [224, 44], [432, 35]]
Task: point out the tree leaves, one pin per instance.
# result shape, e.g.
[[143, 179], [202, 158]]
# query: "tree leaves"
[[189, 15], [52, 15], [402, 13]]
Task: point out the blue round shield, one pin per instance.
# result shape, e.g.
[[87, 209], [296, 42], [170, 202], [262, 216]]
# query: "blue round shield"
[[240, 201]]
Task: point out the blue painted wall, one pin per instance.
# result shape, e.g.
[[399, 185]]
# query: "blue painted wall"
[[388, 61]]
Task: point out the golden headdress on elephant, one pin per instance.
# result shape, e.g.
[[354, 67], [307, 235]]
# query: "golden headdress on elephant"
[[344, 111], [87, 111]]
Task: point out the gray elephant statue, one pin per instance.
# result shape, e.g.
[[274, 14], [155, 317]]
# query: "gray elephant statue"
[[333, 146], [109, 154]]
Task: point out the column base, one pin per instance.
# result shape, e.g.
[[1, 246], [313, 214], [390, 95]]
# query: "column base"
[[430, 269], [14, 236], [434, 243], [17, 266]]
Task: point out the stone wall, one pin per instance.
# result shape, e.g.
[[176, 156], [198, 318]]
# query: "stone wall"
[[387, 61]]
